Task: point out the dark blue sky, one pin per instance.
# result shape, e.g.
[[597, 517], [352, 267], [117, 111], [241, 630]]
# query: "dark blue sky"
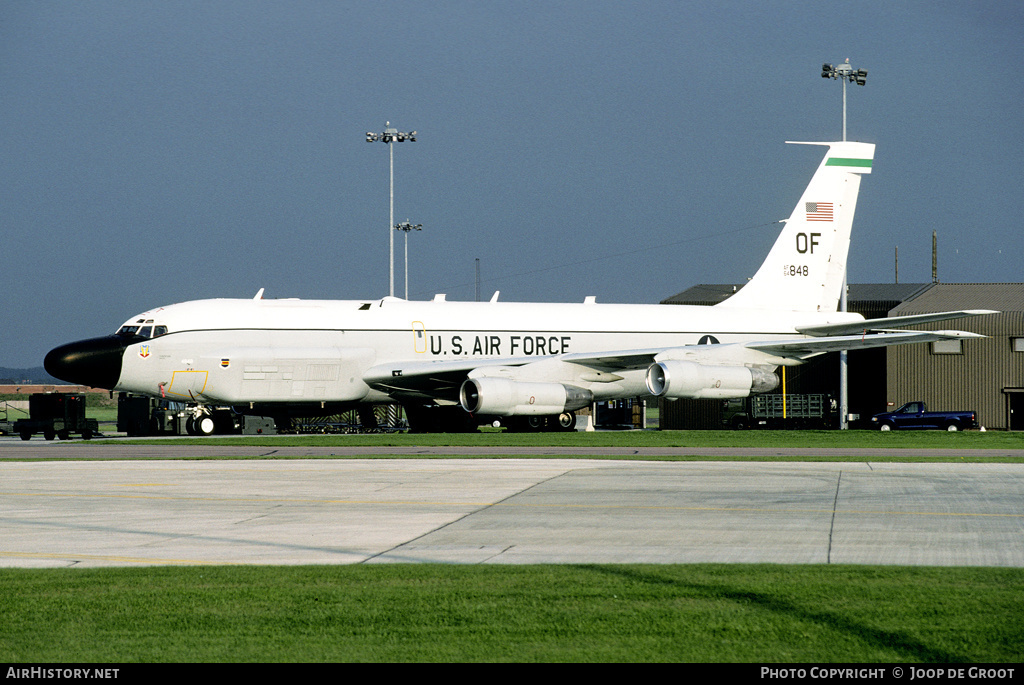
[[162, 151]]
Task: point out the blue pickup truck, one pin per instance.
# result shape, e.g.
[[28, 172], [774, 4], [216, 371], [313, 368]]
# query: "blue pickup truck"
[[916, 415]]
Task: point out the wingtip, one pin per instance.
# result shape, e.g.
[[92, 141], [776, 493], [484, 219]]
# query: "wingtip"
[[959, 334]]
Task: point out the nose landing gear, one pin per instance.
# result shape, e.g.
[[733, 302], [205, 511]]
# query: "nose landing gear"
[[200, 423]]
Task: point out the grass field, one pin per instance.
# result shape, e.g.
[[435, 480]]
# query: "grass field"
[[598, 613], [433, 613], [895, 441]]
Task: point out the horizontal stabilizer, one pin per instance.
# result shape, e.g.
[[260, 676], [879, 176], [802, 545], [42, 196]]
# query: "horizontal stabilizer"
[[810, 347], [853, 328]]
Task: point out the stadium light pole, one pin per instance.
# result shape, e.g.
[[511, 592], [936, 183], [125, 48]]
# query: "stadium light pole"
[[844, 72], [405, 227], [391, 135]]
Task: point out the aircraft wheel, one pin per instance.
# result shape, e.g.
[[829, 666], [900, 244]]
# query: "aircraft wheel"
[[205, 425], [566, 421], [535, 423]]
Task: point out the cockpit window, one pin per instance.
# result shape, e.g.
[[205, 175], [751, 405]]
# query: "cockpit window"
[[147, 331]]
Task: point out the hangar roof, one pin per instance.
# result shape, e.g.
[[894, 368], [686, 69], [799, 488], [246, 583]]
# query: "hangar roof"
[[895, 298], [877, 298], [940, 297]]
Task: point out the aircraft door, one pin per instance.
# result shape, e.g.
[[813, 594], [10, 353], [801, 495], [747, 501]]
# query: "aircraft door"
[[419, 333]]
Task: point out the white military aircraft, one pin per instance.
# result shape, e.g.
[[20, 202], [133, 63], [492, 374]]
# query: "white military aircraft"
[[454, 365]]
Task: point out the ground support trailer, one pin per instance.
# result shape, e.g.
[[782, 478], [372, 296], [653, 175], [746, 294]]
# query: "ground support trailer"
[[56, 415], [780, 411]]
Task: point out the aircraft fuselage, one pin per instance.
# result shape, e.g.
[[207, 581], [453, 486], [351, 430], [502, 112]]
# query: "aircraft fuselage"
[[234, 352]]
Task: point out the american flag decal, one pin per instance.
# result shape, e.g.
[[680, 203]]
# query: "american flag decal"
[[819, 211]]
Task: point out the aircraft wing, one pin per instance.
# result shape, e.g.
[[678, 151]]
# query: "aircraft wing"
[[430, 379], [762, 352], [440, 380]]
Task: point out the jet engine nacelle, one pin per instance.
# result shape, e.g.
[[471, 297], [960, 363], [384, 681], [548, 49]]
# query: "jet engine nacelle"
[[675, 379], [505, 397]]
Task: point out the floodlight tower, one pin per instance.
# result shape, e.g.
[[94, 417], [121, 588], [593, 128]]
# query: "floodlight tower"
[[844, 72], [389, 136], [405, 227]]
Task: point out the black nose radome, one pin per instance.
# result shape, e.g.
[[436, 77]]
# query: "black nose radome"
[[95, 362]]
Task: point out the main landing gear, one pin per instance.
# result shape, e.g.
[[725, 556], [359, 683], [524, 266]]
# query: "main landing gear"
[[564, 422], [457, 420]]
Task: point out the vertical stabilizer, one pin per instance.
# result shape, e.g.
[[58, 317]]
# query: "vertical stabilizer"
[[806, 267]]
